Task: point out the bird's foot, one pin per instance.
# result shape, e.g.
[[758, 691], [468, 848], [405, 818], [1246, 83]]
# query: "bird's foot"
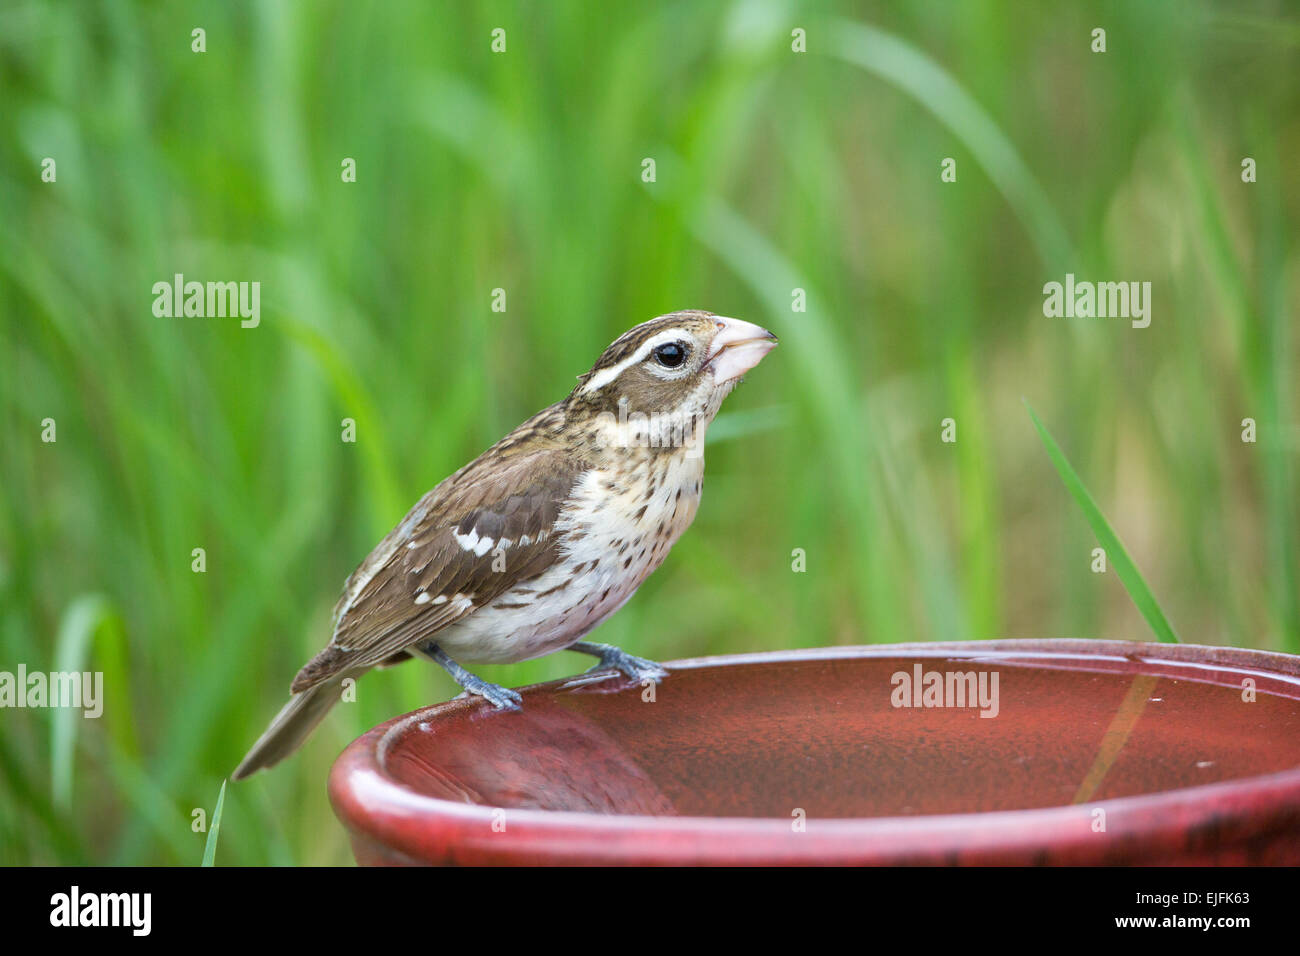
[[502, 698], [637, 668]]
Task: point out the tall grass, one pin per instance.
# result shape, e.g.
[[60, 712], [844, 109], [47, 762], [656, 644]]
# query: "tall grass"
[[522, 171], [1115, 554], [214, 829]]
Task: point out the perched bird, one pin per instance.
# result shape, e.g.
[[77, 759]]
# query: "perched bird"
[[546, 534]]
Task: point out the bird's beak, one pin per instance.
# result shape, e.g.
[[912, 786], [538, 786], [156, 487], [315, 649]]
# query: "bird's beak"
[[737, 348]]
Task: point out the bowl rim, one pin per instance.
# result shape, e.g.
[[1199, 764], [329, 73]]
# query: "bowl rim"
[[374, 805]]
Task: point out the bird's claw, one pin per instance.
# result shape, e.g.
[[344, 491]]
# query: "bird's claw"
[[637, 668], [502, 698]]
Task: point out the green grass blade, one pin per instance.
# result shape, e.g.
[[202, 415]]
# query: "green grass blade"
[[210, 848], [72, 652], [1118, 556]]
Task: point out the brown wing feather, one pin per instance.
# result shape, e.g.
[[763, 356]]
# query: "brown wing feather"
[[515, 494]]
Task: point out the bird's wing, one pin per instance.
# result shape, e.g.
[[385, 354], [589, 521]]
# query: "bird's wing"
[[473, 537]]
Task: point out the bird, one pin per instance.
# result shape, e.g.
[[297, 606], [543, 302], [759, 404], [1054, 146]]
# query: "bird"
[[532, 545]]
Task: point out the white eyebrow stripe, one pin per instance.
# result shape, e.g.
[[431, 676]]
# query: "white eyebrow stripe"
[[605, 376]]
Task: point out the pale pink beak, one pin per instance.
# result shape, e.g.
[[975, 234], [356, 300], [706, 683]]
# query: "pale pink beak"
[[737, 348]]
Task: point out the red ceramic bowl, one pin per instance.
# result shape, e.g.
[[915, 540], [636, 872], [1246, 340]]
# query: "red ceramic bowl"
[[1088, 752]]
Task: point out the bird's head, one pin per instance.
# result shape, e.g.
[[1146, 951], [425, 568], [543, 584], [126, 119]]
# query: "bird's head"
[[675, 369]]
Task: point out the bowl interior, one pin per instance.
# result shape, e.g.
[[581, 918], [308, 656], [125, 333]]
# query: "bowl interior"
[[859, 736]]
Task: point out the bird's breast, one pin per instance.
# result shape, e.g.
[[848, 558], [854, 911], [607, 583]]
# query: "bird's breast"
[[629, 516]]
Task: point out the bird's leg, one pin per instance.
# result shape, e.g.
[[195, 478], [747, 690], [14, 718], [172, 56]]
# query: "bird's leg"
[[502, 698], [637, 668]]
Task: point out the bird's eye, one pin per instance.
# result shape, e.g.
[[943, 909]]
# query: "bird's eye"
[[670, 354]]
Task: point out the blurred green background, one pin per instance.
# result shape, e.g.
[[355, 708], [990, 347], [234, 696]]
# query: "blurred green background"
[[523, 171]]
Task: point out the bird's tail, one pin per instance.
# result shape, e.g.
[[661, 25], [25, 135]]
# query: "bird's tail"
[[292, 724]]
